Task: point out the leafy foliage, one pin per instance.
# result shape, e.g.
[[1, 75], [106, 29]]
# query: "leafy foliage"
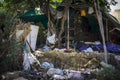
[[109, 74], [10, 49]]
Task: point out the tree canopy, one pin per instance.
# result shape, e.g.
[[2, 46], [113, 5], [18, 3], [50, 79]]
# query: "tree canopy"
[[12, 6]]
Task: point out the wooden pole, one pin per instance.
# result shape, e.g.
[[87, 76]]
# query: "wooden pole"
[[107, 30], [99, 17], [68, 37]]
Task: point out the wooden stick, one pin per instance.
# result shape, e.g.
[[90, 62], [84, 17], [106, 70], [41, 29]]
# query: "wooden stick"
[[68, 31]]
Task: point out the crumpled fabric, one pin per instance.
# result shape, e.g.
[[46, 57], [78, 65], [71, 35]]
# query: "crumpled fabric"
[[51, 39]]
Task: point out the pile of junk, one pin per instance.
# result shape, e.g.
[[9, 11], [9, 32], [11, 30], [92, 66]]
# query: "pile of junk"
[[85, 61]]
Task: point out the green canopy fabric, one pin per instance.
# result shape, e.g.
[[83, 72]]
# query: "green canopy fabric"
[[33, 16]]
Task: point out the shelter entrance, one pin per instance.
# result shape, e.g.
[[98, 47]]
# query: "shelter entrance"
[[85, 28]]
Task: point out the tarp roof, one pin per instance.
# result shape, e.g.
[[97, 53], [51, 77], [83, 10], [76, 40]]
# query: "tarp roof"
[[32, 16]]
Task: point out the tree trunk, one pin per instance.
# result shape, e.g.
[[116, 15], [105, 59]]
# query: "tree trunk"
[[62, 26]]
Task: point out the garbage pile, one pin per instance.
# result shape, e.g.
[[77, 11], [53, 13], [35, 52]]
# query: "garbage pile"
[[55, 65], [48, 72]]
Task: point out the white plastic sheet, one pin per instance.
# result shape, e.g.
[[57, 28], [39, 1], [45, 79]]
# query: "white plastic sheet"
[[29, 58], [32, 36], [51, 39]]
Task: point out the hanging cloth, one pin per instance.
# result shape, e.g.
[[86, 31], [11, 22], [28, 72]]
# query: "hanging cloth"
[[83, 13], [90, 10]]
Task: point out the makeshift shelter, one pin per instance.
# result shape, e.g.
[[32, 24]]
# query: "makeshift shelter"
[[90, 26], [85, 22]]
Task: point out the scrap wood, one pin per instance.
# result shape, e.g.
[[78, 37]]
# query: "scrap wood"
[[92, 62]]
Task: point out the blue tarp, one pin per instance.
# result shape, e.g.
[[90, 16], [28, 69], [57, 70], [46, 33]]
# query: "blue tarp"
[[111, 47], [115, 48], [84, 47]]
